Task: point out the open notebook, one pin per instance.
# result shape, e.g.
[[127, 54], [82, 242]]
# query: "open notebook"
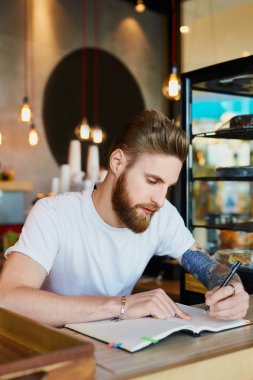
[[135, 334]]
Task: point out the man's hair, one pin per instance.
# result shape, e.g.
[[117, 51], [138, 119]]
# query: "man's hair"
[[152, 132]]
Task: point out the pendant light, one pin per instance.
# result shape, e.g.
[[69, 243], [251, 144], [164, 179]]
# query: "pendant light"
[[96, 133], [82, 131], [25, 112], [140, 7], [33, 136], [171, 85]]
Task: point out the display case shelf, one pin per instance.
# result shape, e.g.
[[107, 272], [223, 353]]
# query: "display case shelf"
[[16, 186], [240, 134], [244, 226], [215, 179]]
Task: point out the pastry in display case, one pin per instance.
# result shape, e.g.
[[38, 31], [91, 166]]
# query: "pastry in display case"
[[241, 122], [217, 115], [230, 256]]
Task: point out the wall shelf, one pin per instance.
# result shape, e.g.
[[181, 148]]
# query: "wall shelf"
[[16, 186]]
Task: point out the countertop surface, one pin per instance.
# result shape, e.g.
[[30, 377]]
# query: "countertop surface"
[[179, 352]]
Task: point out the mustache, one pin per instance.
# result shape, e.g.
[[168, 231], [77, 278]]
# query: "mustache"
[[148, 206]]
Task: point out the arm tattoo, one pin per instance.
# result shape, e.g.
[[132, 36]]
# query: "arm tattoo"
[[196, 261]]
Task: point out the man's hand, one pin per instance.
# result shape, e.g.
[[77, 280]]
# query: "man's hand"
[[228, 303], [153, 303]]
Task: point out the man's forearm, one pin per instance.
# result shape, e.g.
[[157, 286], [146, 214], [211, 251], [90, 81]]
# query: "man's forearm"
[[201, 266], [57, 310]]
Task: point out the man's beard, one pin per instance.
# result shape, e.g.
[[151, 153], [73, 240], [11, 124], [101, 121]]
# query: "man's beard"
[[136, 221]]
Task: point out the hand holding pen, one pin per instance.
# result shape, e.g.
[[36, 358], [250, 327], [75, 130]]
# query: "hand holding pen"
[[230, 274]]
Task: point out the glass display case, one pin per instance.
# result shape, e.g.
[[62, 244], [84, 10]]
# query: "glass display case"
[[12, 211], [217, 115]]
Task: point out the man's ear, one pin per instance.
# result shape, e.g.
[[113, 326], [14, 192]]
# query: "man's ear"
[[117, 162]]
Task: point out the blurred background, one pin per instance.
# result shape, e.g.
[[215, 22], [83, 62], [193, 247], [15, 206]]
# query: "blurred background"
[[84, 68]]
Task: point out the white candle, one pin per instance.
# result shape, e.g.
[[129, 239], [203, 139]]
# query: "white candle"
[[74, 158], [92, 169], [64, 178], [55, 185]]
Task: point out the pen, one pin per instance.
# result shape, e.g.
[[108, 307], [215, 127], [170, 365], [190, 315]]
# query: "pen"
[[230, 274]]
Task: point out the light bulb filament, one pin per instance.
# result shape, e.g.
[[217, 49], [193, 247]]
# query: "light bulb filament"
[[97, 135], [26, 113], [171, 86], [84, 130], [140, 7], [33, 136]]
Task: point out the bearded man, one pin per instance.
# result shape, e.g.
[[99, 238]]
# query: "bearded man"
[[80, 254]]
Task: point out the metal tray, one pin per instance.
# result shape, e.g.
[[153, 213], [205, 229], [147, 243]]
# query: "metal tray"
[[234, 171]]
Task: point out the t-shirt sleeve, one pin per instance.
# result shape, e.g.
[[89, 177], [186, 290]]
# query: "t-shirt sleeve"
[[176, 238], [39, 237]]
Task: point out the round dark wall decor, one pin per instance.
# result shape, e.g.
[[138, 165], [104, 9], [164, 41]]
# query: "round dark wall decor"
[[119, 99]]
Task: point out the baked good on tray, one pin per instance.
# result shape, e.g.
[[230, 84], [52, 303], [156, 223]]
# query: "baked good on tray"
[[229, 256], [241, 121]]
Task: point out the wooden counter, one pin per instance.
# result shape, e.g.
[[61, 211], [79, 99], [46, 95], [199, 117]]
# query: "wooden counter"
[[220, 356], [29, 350]]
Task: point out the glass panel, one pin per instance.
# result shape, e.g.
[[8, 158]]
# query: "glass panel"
[[210, 154], [222, 203], [211, 110], [212, 116], [11, 207], [213, 240]]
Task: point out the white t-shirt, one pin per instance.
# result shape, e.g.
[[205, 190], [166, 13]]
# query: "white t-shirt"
[[84, 255]]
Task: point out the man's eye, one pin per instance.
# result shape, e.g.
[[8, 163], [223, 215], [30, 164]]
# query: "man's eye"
[[151, 181]]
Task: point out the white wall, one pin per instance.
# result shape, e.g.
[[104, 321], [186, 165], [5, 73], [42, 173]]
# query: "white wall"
[[138, 40], [220, 30]]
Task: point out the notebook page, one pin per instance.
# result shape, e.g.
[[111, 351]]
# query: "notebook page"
[[130, 333], [201, 320]]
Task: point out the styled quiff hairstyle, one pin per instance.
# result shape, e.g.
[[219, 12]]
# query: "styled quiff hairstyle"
[[152, 132]]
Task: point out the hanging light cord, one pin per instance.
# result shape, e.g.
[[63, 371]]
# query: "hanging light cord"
[[25, 45], [31, 57], [173, 33], [84, 58], [96, 61]]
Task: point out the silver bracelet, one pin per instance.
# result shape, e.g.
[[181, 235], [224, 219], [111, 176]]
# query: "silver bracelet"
[[123, 306]]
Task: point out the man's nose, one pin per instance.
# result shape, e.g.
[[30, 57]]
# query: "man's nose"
[[159, 197]]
